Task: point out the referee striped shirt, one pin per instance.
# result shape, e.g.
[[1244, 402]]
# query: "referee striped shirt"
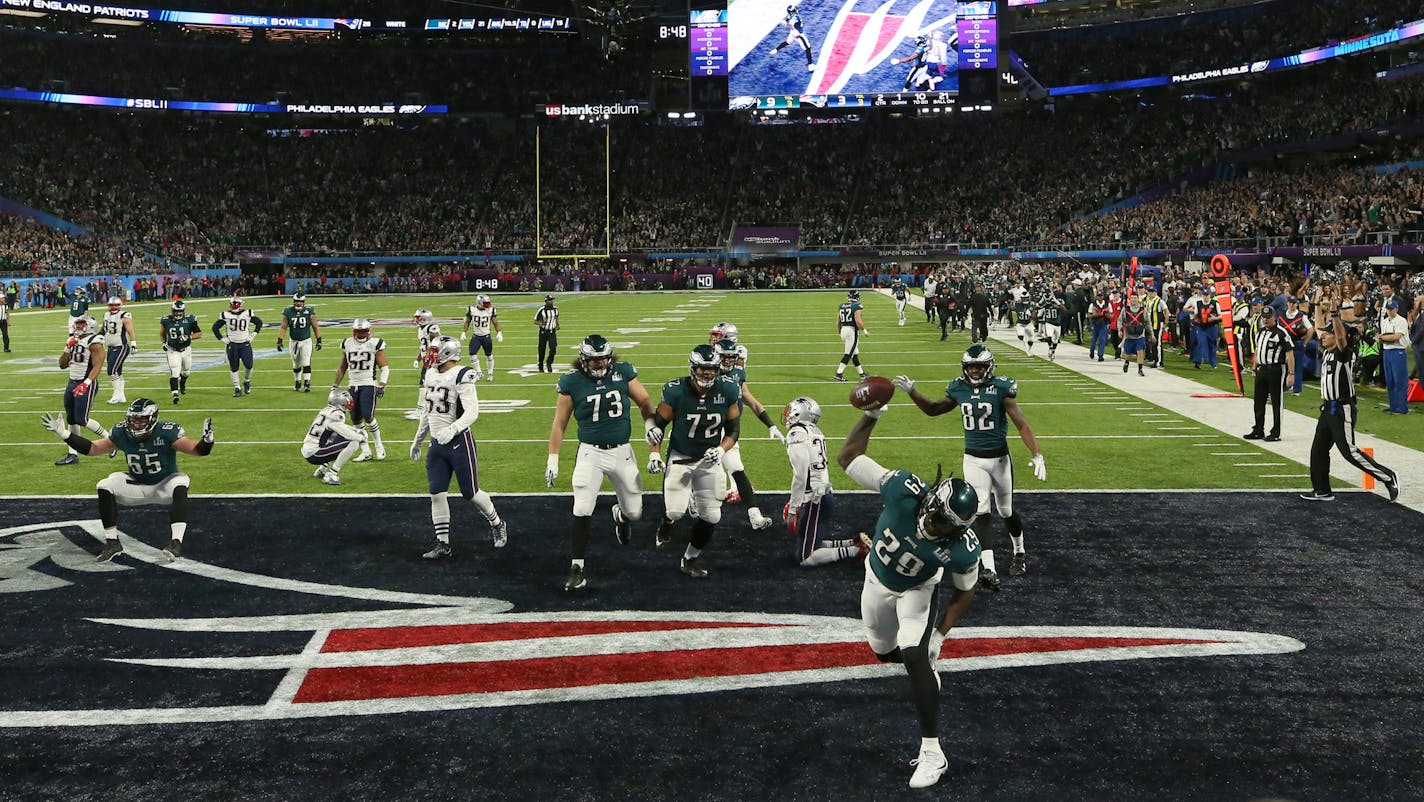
[[548, 319], [1337, 380], [1271, 346]]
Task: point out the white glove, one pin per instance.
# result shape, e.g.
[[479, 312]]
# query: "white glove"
[[462, 336], [904, 383], [936, 644], [1040, 468], [712, 458], [444, 434], [551, 472], [655, 463], [415, 449], [775, 434], [207, 430], [475, 366], [865, 332], [415, 363], [55, 425], [877, 412], [653, 435], [499, 336]]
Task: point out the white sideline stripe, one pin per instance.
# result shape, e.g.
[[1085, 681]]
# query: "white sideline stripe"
[[1176, 428], [1259, 464], [1303, 476], [609, 494], [1235, 454]]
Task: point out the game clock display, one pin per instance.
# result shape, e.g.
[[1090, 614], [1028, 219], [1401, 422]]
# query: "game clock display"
[[855, 53]]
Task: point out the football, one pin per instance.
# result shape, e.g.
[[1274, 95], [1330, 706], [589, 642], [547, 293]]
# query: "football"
[[872, 392]]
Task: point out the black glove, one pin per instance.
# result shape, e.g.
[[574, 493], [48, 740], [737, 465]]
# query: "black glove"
[[318, 343], [279, 344]]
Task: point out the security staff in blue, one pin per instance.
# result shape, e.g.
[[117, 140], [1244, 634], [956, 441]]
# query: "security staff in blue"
[[1297, 325], [1206, 332], [1100, 316]]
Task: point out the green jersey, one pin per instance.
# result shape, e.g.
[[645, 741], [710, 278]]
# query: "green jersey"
[[178, 332], [1021, 310], [699, 421], [78, 307], [898, 290], [847, 313], [982, 408], [1051, 314], [902, 557], [152, 460], [602, 407], [299, 322]]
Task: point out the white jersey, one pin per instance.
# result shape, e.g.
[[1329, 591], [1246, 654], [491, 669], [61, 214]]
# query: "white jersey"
[[238, 326], [79, 356], [114, 332], [329, 419], [422, 333], [810, 477], [361, 360], [1018, 294], [449, 395], [480, 319]]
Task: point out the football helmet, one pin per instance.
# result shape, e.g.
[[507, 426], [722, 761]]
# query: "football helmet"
[[83, 325], [595, 355], [179, 310], [792, 9], [116, 303], [80, 292], [299, 299], [921, 40], [853, 295], [446, 349], [948, 510], [705, 366], [361, 329], [721, 331], [422, 317], [801, 410], [727, 354], [977, 365], [482, 302], [141, 418], [235, 304], [340, 399]]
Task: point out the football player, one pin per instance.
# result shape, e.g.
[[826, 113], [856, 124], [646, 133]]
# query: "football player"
[[706, 420], [451, 406], [300, 321], [728, 331], [901, 296], [923, 530], [851, 329], [1023, 315], [235, 328], [732, 461], [78, 307], [149, 447], [425, 333], [1050, 317], [919, 75], [983, 401], [120, 342], [331, 443], [796, 34], [600, 393], [179, 330], [479, 319], [83, 356], [363, 361], [809, 510]]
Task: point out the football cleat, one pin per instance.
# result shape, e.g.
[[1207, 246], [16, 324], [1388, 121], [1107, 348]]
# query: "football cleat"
[[247, 387], [364, 456], [1019, 566], [297, 386], [990, 581], [236, 393], [758, 520], [664, 535], [174, 550], [1392, 486], [929, 767], [175, 398], [380, 452], [622, 528], [838, 377], [69, 459], [690, 567], [500, 535], [320, 471], [440, 551], [330, 478], [575, 580], [112, 548], [1318, 496]]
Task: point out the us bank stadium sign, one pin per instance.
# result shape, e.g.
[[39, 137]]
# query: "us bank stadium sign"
[[629, 109]]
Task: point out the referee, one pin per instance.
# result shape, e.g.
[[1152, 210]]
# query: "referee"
[[1336, 426], [1274, 362], [547, 319]]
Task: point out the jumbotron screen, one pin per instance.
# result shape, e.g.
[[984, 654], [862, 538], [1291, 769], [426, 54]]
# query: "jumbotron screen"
[[853, 53]]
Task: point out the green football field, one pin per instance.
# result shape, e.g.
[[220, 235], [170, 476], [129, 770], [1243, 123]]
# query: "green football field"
[[1092, 436]]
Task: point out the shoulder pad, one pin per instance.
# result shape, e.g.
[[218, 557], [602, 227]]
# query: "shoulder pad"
[[380, 344], [673, 384], [797, 433], [465, 375]]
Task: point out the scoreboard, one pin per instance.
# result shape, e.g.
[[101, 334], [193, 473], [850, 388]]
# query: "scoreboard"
[[707, 43], [978, 29]]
